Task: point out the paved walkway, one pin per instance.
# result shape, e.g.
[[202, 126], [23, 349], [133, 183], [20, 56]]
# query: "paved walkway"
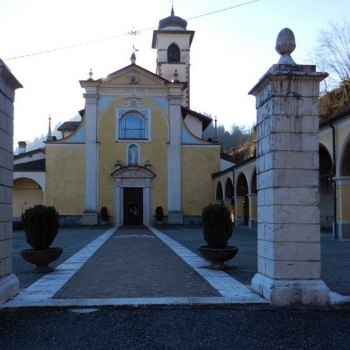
[[144, 266]]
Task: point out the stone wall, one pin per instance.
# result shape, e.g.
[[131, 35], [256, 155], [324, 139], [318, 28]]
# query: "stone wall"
[[9, 285]]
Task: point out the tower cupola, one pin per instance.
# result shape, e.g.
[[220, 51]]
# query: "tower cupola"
[[173, 41], [172, 22]]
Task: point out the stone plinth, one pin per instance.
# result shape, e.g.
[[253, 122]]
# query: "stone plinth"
[[175, 218], [289, 260], [90, 218]]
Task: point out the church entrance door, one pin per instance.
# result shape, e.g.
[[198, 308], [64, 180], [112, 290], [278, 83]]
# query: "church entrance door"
[[133, 205]]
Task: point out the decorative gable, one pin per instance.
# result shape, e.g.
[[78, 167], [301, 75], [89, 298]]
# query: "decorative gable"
[[132, 75]]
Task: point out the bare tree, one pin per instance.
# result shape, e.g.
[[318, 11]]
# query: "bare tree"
[[332, 52]]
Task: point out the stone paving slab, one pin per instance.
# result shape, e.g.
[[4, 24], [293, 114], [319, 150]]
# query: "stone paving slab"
[[134, 263], [335, 254], [182, 273], [178, 246], [226, 285]]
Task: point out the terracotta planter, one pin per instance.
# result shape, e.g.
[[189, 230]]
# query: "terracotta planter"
[[41, 258], [217, 256]]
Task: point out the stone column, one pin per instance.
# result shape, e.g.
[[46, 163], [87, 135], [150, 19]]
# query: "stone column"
[[343, 204], [252, 210], [147, 203], [175, 215], [289, 262], [118, 202], [239, 211], [9, 285], [90, 215]]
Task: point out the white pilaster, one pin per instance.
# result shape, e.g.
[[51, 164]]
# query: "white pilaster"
[[90, 216], [289, 261], [175, 215], [118, 202], [147, 203]]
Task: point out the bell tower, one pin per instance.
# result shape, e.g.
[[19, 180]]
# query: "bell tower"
[[173, 41]]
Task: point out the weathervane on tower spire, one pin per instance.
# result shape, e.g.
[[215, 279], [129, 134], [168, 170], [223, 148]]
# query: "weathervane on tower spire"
[[172, 8], [134, 49]]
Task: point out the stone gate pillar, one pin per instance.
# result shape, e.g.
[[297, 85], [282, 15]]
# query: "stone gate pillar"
[[289, 262], [9, 285]]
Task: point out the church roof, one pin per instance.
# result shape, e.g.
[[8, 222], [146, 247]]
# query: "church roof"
[[69, 126], [35, 165], [206, 121], [29, 153], [119, 72]]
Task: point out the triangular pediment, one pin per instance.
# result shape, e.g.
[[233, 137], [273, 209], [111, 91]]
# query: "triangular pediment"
[[135, 172], [132, 75]]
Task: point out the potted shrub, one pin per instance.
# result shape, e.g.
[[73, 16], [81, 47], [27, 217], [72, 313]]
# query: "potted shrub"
[[104, 215], [159, 214], [217, 230], [41, 225]]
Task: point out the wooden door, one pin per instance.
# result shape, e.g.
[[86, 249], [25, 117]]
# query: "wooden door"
[[133, 205]]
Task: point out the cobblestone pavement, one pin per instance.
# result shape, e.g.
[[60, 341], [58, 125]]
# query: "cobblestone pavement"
[[335, 255], [134, 263], [258, 326], [70, 239]]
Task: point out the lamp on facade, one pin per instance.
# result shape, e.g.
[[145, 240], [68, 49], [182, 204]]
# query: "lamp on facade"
[[118, 165], [148, 164]]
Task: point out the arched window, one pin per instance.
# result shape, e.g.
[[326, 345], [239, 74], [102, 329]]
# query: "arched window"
[[132, 127], [133, 124], [173, 54]]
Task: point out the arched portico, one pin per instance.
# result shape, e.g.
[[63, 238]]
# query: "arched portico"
[[132, 191], [253, 206], [326, 189], [343, 191], [241, 201], [219, 192], [27, 192]]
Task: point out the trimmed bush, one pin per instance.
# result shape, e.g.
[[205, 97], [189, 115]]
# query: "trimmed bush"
[[159, 213], [41, 226], [217, 225], [104, 214]]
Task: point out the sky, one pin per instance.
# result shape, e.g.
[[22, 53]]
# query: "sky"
[[233, 46]]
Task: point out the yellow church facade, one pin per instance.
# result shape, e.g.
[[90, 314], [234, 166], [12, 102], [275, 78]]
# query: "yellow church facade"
[[137, 147]]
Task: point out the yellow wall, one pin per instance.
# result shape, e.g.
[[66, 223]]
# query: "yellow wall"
[[341, 137], [343, 196], [65, 178], [198, 163], [110, 151], [26, 194]]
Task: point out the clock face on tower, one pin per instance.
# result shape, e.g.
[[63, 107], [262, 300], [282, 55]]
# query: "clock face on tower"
[[173, 54]]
